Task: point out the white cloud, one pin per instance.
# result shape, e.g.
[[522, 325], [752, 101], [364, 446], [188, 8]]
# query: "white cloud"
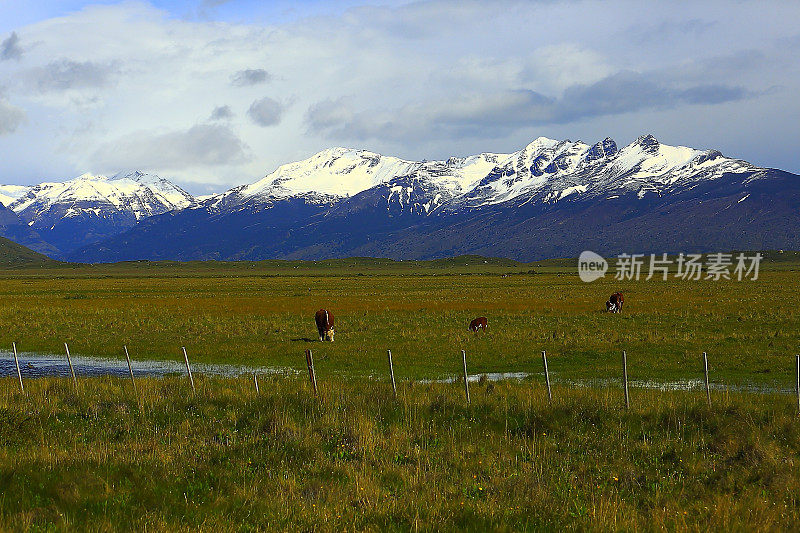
[[497, 113], [129, 84], [10, 117], [202, 145]]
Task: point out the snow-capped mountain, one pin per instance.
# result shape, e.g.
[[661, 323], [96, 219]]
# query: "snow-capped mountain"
[[551, 198], [545, 171], [323, 178], [90, 208], [549, 171], [138, 194]]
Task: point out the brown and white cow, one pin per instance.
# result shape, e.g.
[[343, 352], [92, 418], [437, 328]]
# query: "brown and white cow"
[[324, 320], [615, 302], [478, 323]]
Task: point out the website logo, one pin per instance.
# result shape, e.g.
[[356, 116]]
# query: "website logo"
[[716, 266], [591, 266]]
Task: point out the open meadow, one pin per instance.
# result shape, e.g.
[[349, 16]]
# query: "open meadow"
[[229, 459], [225, 458], [262, 314]]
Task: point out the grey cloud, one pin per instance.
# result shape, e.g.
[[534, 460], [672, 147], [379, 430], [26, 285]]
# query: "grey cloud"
[[619, 93], [10, 49], [713, 94], [66, 74], [10, 118], [329, 114], [248, 77], [626, 92], [742, 65], [668, 30], [266, 112], [223, 112], [200, 145], [499, 113], [793, 41], [425, 19]]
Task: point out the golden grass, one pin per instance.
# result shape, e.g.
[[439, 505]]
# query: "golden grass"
[[228, 459]]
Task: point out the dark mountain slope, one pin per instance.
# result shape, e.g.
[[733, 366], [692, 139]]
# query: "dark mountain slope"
[[731, 212], [13, 228]]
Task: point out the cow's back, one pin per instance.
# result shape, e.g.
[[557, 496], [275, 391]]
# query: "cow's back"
[[324, 320], [617, 299], [478, 323]]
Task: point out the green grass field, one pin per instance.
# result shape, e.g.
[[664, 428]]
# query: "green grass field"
[[227, 459], [262, 314]]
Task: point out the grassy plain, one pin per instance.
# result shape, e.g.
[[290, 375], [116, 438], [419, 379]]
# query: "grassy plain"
[[262, 313], [228, 459]]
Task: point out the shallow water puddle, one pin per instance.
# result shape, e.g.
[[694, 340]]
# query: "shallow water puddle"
[[601, 383], [36, 365]]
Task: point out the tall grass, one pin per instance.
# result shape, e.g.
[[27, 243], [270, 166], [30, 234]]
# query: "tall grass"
[[228, 459]]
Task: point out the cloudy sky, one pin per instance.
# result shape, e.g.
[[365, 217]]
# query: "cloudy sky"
[[215, 93]]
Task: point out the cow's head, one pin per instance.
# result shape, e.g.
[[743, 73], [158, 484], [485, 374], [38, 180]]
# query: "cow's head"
[[329, 335]]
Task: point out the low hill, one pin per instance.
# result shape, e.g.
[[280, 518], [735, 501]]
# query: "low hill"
[[16, 255]]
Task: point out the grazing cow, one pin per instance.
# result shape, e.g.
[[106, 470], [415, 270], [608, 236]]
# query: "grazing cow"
[[478, 323], [614, 303], [324, 320]]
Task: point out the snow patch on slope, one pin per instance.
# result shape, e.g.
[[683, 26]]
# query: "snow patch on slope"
[[11, 193], [335, 171]]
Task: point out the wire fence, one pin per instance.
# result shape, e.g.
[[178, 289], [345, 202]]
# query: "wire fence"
[[168, 368]]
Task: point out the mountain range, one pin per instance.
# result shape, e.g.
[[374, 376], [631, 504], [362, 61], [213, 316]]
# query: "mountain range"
[[550, 199]]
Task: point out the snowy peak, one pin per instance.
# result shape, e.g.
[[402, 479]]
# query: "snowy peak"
[[90, 208], [323, 178], [546, 171], [539, 144], [648, 157], [335, 171], [137, 194], [648, 144], [605, 148], [140, 177]]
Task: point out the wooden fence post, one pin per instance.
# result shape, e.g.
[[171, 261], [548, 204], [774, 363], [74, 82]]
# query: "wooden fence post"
[[311, 375], [391, 373], [188, 370], [547, 377], [466, 380], [797, 380], [255, 380], [625, 379], [71, 369], [130, 370], [16, 362], [705, 372]]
